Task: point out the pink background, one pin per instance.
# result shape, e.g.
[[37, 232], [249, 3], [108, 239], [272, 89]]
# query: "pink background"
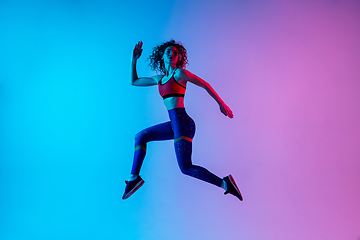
[[288, 69]]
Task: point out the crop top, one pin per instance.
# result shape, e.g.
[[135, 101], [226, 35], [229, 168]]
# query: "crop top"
[[171, 88]]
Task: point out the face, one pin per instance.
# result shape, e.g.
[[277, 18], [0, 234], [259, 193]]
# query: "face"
[[171, 55]]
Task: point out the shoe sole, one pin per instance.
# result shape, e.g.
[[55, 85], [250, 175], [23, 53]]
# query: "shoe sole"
[[137, 186], [235, 186]]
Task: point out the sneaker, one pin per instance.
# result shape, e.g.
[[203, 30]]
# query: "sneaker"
[[232, 188], [132, 187]]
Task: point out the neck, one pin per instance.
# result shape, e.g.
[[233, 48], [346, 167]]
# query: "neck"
[[169, 68]]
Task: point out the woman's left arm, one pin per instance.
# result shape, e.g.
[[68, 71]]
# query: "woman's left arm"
[[188, 76]]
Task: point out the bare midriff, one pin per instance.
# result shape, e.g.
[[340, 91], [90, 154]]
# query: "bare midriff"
[[174, 102]]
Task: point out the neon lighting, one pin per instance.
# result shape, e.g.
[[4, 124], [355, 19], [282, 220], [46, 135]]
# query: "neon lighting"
[[140, 147], [183, 138]]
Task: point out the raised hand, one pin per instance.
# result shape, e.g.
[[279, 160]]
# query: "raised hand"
[[226, 110], [137, 50]]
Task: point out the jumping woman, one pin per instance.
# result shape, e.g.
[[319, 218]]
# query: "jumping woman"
[[170, 59]]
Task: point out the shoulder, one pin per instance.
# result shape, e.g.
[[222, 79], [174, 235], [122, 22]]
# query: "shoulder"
[[187, 76], [157, 78], [183, 74]]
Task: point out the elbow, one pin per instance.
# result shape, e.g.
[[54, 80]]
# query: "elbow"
[[206, 86], [133, 81]]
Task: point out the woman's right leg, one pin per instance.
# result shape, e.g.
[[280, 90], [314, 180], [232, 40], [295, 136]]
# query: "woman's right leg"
[[158, 132]]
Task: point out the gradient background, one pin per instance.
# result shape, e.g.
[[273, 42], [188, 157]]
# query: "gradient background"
[[288, 69]]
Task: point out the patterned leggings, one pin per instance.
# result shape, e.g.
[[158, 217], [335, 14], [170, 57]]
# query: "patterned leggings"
[[181, 128]]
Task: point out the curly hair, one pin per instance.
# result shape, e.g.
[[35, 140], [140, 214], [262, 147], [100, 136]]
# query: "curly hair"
[[156, 61]]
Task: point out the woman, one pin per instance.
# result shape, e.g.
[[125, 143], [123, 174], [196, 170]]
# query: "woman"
[[170, 58]]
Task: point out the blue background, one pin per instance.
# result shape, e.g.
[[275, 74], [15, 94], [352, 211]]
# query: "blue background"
[[68, 116]]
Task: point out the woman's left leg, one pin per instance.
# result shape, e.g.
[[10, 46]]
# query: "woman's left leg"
[[183, 149], [184, 131]]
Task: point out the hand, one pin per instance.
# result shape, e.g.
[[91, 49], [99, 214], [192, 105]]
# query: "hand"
[[226, 110], [137, 50]]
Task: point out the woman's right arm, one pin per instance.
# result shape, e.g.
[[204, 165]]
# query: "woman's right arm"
[[135, 80]]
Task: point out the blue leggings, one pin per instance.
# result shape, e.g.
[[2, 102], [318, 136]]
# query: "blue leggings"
[[181, 128]]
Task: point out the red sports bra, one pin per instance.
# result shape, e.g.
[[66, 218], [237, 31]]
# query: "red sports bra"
[[171, 88]]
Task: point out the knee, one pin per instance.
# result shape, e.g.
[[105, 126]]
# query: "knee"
[[140, 138], [185, 169]]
